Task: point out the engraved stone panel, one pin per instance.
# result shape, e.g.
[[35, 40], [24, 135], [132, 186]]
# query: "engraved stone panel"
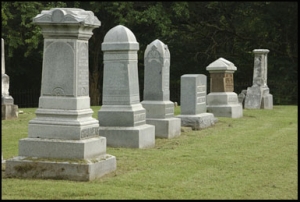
[[83, 70], [58, 69]]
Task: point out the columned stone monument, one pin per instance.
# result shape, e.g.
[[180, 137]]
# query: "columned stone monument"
[[258, 95], [159, 108], [63, 140], [9, 110], [222, 101], [122, 118], [193, 110]]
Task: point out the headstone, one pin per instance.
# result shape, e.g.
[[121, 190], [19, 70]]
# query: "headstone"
[[122, 118], [193, 110], [222, 101], [159, 108], [63, 140], [9, 110], [242, 97], [3, 163], [258, 96]]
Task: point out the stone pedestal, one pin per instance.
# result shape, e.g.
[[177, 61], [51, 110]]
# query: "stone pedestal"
[[122, 117], [224, 104], [159, 108], [258, 95], [63, 140], [222, 101], [193, 110]]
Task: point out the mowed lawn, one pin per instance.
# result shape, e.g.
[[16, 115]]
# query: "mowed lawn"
[[253, 157]]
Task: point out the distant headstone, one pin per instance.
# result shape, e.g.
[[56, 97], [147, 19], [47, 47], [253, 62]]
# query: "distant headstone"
[[159, 108], [122, 117], [222, 101], [9, 110], [63, 140], [3, 162], [258, 96], [193, 111], [242, 97]]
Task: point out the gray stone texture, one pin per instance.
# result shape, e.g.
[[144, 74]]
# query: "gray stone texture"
[[159, 108], [8, 109], [222, 101], [241, 97], [122, 118], [258, 95], [64, 129], [193, 111]]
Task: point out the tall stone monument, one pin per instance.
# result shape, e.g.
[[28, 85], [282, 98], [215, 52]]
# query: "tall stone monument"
[[159, 108], [222, 101], [63, 140], [193, 110], [122, 118], [9, 110], [258, 95]]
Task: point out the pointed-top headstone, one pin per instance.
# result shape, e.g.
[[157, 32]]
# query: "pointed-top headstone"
[[159, 108]]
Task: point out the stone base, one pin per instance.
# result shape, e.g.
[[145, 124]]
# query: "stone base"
[[224, 104], [3, 163], [142, 136], [199, 121], [9, 111], [62, 149], [232, 111], [166, 128], [63, 124], [84, 170], [267, 102], [253, 97], [258, 98]]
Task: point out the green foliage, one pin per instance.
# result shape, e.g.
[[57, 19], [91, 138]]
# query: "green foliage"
[[252, 157], [197, 33]]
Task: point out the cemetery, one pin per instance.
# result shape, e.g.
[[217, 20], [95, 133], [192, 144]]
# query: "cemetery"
[[139, 139]]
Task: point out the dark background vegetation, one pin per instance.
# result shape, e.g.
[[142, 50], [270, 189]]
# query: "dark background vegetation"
[[197, 33]]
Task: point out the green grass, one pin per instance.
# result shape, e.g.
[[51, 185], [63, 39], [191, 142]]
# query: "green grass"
[[253, 157]]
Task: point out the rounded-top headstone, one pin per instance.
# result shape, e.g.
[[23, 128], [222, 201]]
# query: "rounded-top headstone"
[[159, 47], [119, 38], [221, 64]]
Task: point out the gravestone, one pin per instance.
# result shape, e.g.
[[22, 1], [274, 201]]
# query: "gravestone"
[[258, 95], [242, 97], [9, 110], [63, 140], [159, 108], [122, 118], [222, 101], [3, 162], [193, 110]]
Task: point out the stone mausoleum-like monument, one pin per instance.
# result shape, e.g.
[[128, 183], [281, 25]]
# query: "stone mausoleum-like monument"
[[222, 101], [122, 118], [8, 109], [258, 95], [63, 140], [159, 108]]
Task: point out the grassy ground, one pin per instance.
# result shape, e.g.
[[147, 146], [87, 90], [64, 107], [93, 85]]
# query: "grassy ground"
[[253, 157]]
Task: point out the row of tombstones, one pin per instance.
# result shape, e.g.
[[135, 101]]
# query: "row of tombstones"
[[64, 127]]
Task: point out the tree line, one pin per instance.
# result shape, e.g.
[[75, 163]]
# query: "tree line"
[[197, 33]]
